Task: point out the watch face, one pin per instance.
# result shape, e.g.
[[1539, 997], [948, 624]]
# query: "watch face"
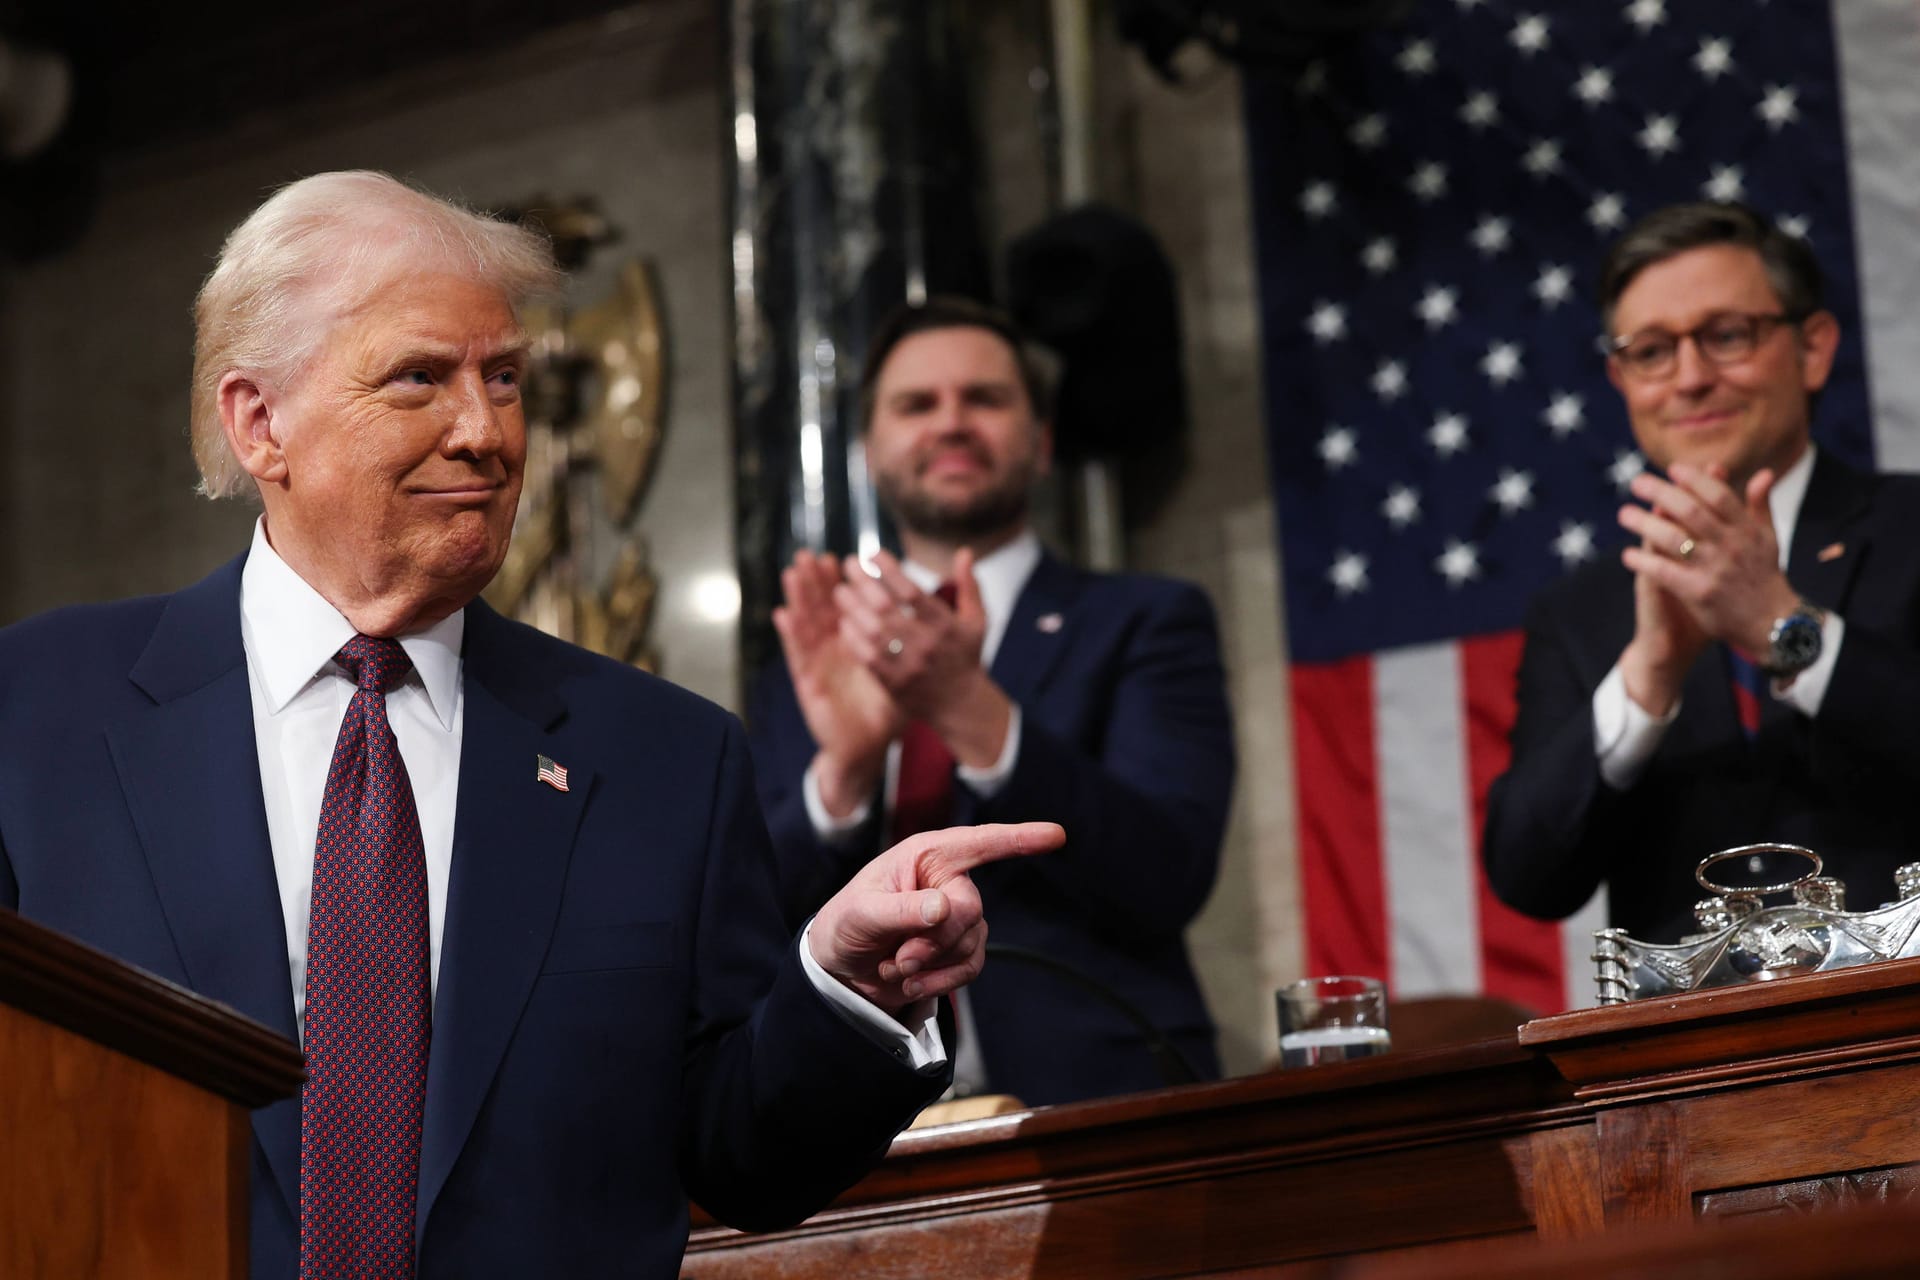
[[1795, 644]]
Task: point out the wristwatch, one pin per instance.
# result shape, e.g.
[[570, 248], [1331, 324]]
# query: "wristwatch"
[[1794, 643]]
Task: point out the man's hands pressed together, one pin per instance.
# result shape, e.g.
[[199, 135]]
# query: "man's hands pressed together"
[[1707, 568]]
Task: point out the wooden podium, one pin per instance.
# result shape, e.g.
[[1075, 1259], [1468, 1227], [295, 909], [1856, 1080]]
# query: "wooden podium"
[[1738, 1104], [124, 1133]]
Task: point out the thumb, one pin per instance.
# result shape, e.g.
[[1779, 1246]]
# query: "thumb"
[[966, 588], [1757, 490]]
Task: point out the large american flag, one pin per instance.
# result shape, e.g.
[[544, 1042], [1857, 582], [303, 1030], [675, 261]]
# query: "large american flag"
[[1430, 209]]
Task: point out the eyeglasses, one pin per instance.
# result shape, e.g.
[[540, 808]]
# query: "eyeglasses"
[[1726, 338]]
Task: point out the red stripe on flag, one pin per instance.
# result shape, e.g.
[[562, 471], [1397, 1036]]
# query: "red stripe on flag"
[[1521, 958], [1342, 882]]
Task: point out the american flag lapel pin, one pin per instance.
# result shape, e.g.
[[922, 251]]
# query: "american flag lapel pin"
[[550, 773], [1832, 551], [1049, 623]]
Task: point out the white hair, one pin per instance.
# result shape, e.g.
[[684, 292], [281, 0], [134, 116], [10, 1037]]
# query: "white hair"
[[311, 255]]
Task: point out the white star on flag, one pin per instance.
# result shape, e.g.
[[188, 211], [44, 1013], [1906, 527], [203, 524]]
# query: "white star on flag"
[[1608, 212], [1501, 363], [1402, 506], [1594, 86], [1318, 200], [1327, 322], [1339, 447], [1429, 182], [1795, 226], [1779, 107], [1647, 14], [1480, 110], [1574, 544], [1417, 58], [1554, 285], [1626, 465], [1542, 158], [1368, 132], [1529, 35], [1490, 235], [1459, 563], [1715, 59], [1348, 573], [1437, 307], [1513, 492], [1448, 434], [1725, 184], [1660, 137], [1565, 413], [1379, 256], [1390, 380]]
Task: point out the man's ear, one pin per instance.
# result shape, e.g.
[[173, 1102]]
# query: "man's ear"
[[246, 415], [1819, 339]]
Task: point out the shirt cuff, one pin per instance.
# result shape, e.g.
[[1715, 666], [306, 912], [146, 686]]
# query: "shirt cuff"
[[913, 1036], [1625, 736], [986, 782], [829, 829], [1806, 691]]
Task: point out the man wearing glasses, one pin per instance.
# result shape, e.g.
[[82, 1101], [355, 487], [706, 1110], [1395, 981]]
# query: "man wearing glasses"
[[1749, 670]]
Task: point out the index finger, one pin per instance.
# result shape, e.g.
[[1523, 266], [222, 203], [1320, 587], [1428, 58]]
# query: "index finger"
[[958, 850], [1708, 488]]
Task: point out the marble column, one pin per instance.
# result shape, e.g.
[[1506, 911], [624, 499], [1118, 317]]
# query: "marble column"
[[852, 190]]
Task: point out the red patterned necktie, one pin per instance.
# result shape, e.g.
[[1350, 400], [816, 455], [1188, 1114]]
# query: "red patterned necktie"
[[923, 787], [1749, 691], [367, 1009]]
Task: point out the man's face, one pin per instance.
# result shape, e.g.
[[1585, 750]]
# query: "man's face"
[[404, 443], [953, 444], [1743, 415]]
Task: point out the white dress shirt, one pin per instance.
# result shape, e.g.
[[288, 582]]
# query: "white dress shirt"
[[1625, 736], [300, 696]]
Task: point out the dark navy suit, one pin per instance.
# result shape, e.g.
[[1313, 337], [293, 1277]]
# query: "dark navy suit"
[[1842, 783], [621, 1020], [1125, 742]]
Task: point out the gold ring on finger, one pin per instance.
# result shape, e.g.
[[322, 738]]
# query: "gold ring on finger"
[[1685, 549], [896, 647]]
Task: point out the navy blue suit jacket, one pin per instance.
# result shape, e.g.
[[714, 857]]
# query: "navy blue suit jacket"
[[1841, 783], [1126, 742], [620, 1020]]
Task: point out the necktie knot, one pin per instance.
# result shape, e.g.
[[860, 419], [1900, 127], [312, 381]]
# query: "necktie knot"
[[946, 593], [374, 663]]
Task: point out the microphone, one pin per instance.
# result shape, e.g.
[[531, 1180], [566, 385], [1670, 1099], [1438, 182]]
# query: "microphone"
[[1168, 1060]]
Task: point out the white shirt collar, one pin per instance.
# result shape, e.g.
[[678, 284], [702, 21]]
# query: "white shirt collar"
[[1001, 574], [292, 633], [1785, 498]]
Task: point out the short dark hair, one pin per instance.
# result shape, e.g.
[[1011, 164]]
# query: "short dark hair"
[[1791, 267], [948, 311]]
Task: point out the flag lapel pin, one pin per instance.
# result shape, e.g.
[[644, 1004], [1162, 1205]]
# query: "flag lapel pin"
[[550, 773], [1832, 551], [1049, 623]]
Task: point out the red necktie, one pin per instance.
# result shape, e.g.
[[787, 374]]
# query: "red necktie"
[[923, 788], [367, 1009], [1748, 687]]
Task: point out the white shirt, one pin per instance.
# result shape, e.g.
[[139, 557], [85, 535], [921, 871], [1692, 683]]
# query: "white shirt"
[[1625, 736], [300, 696]]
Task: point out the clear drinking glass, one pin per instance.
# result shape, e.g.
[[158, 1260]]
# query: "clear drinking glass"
[[1332, 1020]]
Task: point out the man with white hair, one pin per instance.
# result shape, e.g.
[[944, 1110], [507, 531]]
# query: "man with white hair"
[[515, 900]]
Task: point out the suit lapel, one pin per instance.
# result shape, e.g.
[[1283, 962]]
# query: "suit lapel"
[[191, 776], [1827, 548], [513, 837], [1040, 631]]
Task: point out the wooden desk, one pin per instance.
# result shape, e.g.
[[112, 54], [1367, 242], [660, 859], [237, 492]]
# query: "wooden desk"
[[1764, 1099]]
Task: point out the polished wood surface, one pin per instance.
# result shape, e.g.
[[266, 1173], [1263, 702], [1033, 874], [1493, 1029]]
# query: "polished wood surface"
[[1773, 1097], [124, 1112]]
